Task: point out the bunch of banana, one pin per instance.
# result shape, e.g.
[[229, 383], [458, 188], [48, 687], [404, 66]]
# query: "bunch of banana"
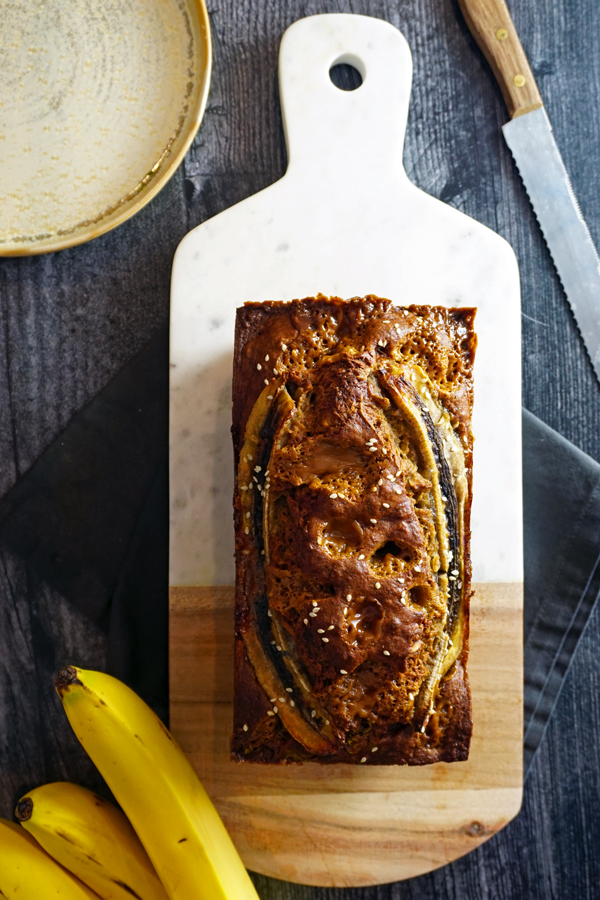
[[27, 872], [157, 788], [90, 838]]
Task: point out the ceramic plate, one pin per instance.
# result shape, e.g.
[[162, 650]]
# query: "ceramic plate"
[[100, 102]]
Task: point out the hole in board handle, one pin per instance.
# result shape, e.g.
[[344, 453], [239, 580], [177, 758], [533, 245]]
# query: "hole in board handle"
[[345, 77]]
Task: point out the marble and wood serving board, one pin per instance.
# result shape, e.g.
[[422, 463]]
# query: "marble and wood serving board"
[[344, 220]]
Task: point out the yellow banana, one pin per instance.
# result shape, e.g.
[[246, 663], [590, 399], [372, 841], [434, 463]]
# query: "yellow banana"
[[92, 839], [156, 786], [27, 872]]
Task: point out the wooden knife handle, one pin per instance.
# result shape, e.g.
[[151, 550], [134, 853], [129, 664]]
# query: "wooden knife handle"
[[490, 24]]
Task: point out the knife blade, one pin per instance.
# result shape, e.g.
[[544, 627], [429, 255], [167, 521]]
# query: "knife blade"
[[531, 142]]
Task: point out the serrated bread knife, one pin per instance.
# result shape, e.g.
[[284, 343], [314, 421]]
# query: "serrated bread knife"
[[529, 136]]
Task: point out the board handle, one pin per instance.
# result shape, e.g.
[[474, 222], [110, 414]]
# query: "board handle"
[[338, 132], [490, 24]]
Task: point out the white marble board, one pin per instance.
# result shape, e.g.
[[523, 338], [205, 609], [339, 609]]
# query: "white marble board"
[[343, 220]]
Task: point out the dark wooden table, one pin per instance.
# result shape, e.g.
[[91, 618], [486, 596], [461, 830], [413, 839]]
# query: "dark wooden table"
[[70, 320]]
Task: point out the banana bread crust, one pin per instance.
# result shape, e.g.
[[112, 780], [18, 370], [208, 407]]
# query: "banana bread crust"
[[353, 461]]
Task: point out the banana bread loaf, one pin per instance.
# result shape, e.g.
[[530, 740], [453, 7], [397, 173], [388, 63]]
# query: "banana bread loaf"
[[353, 455]]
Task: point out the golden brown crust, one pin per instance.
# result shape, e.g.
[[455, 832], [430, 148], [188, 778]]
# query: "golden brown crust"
[[353, 453]]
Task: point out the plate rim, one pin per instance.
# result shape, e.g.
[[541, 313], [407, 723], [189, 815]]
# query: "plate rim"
[[94, 230]]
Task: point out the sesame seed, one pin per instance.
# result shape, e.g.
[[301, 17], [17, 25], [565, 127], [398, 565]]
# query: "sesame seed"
[[417, 568], [451, 577], [345, 610], [258, 366], [389, 477], [244, 727], [269, 613], [377, 584], [397, 489], [401, 580], [317, 609], [284, 346], [373, 449], [343, 672], [275, 709], [314, 603], [282, 699], [270, 712], [246, 531], [244, 487], [333, 496], [380, 482], [289, 690], [320, 631], [349, 596], [331, 627], [386, 652], [247, 515], [387, 505], [249, 458], [258, 468], [459, 584], [373, 521], [445, 499], [374, 749], [269, 396], [274, 371], [362, 556], [273, 699], [313, 713], [272, 643], [454, 572], [327, 721], [306, 621], [325, 640], [411, 696], [364, 759], [266, 380], [292, 704], [267, 358], [279, 648], [312, 615]]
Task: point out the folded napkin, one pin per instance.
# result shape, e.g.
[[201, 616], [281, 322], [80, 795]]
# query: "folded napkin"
[[91, 518], [561, 500]]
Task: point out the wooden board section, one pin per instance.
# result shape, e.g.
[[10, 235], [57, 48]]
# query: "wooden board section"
[[343, 825]]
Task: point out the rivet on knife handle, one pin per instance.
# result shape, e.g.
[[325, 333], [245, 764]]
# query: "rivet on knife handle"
[[490, 24]]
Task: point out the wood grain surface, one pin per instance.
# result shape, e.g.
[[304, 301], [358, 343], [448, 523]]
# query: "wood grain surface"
[[70, 320], [345, 825]]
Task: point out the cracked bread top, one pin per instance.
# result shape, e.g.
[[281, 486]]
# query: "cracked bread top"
[[353, 447]]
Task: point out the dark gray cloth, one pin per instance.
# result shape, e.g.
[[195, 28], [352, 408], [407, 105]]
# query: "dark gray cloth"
[[561, 498], [91, 518]]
